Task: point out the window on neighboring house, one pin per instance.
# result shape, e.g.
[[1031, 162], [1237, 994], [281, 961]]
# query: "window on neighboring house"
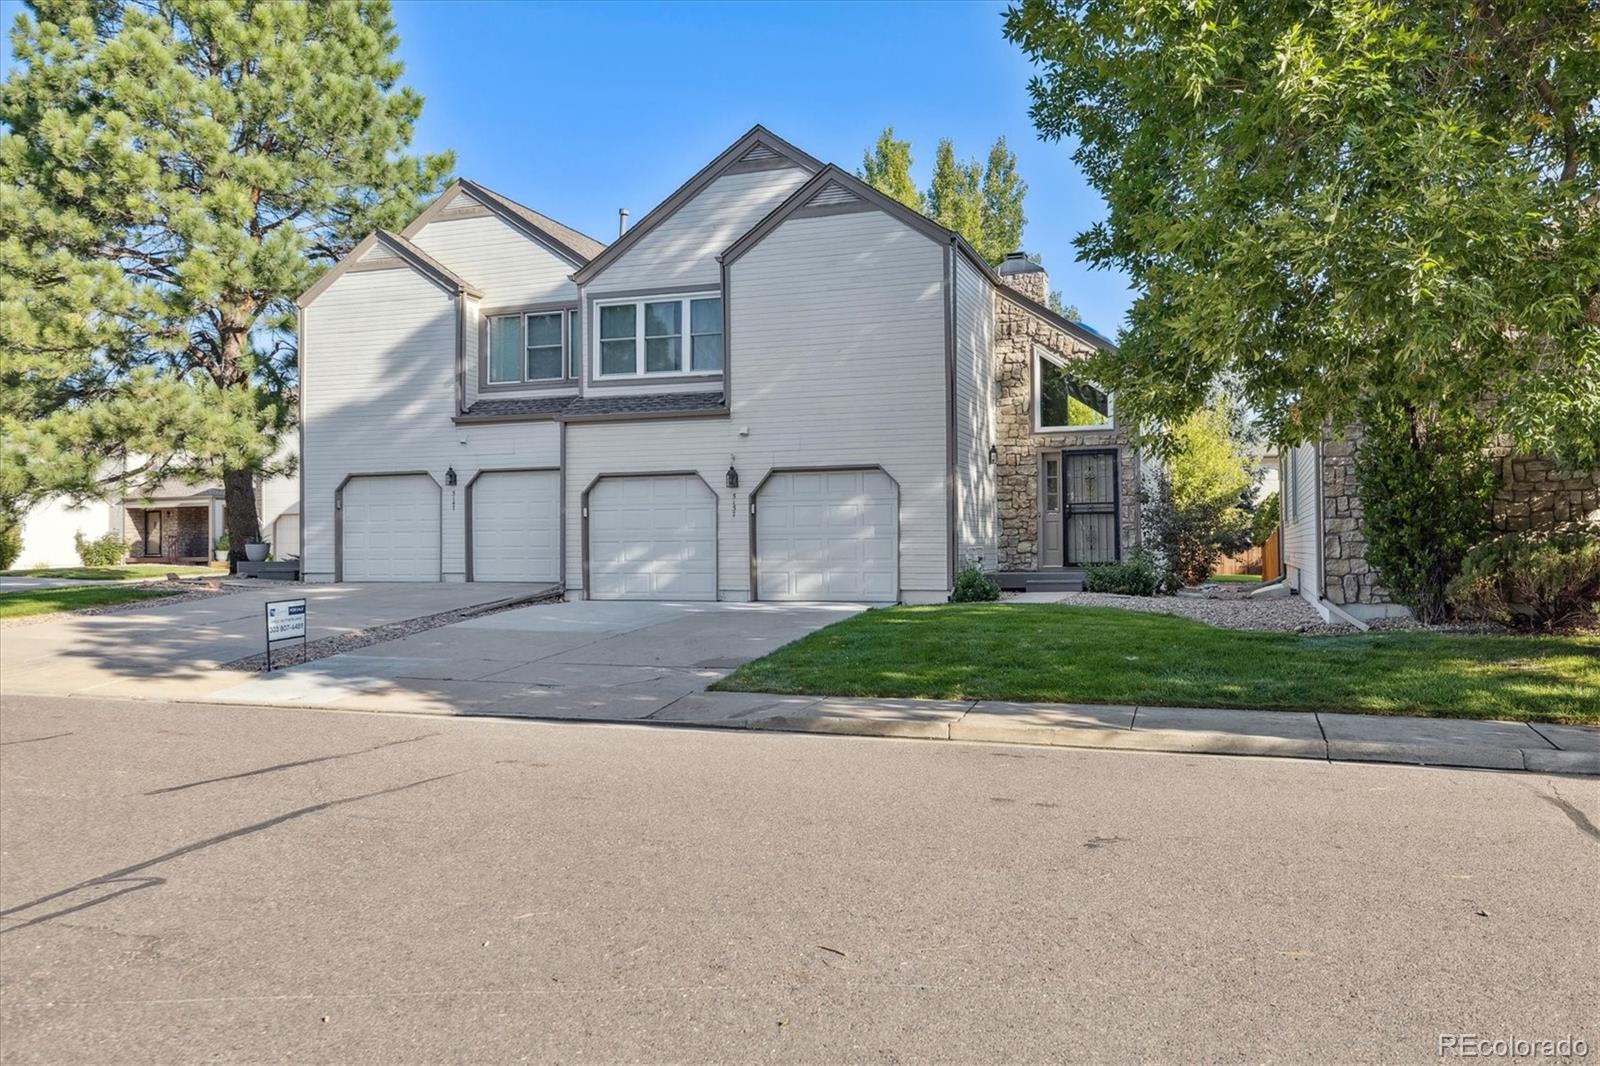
[[530, 348], [1064, 401], [661, 337]]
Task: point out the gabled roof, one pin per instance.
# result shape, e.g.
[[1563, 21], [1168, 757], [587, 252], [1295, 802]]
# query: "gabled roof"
[[575, 247], [760, 148], [832, 187], [402, 249]]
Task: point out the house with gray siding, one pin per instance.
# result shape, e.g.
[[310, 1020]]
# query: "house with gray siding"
[[779, 384]]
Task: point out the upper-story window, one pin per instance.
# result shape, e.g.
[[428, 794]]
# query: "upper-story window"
[[536, 348], [1062, 400], [661, 336]]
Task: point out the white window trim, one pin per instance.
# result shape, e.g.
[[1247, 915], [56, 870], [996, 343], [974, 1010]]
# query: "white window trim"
[[685, 336], [565, 377], [1038, 410]]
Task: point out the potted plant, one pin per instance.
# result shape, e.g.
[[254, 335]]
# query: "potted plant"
[[222, 546], [256, 551]]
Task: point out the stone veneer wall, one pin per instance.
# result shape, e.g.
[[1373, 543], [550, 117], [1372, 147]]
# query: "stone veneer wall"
[[1017, 484], [1534, 494]]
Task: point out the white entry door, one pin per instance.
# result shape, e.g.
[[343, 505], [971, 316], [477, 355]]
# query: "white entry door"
[[390, 528], [828, 535], [516, 526], [652, 538]]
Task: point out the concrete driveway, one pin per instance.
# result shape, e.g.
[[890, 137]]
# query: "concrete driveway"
[[584, 659], [173, 650]]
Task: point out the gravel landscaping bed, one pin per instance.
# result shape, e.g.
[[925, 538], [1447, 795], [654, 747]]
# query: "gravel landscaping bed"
[[1223, 606], [189, 590], [295, 654]]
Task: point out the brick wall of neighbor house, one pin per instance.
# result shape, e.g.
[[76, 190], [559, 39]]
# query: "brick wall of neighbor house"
[[1534, 494], [1016, 332]]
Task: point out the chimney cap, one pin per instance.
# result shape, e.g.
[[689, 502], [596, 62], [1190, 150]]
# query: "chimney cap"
[[1018, 263]]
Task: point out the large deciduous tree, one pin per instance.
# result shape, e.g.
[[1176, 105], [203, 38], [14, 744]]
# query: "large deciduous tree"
[[174, 174], [886, 166], [1342, 201]]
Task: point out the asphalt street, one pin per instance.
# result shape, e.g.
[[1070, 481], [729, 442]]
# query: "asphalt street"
[[187, 883]]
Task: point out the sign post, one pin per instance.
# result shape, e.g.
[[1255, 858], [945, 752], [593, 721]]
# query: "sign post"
[[286, 620]]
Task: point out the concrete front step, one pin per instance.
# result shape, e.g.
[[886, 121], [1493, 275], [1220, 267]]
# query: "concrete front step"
[[1042, 581]]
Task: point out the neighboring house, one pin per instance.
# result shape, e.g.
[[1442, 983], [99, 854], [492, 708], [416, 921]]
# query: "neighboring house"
[[1325, 550], [172, 522], [778, 385]]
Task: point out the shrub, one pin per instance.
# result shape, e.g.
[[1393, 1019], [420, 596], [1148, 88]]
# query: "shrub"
[[1194, 502], [1530, 580], [224, 543], [10, 542], [1264, 520], [1426, 497], [101, 551], [1139, 575], [974, 586]]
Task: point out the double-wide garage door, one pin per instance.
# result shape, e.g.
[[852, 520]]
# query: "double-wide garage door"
[[516, 526], [828, 535], [389, 528], [652, 538]]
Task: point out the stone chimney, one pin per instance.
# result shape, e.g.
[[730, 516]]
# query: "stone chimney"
[[1026, 276]]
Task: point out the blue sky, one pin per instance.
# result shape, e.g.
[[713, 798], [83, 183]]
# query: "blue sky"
[[579, 109]]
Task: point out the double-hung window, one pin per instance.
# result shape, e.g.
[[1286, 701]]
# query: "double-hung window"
[[659, 337], [533, 348]]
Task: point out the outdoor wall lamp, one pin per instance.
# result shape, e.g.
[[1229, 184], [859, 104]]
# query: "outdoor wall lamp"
[[994, 455], [450, 476], [732, 477]]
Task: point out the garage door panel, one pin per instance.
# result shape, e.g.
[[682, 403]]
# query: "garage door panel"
[[516, 526], [390, 529], [828, 535], [652, 538]]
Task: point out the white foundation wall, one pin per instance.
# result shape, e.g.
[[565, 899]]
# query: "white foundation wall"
[[836, 357], [49, 528], [378, 379]]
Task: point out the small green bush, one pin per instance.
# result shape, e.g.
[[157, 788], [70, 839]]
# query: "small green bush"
[[1426, 496], [108, 550], [224, 542], [10, 543], [974, 586], [1530, 580], [1139, 575]]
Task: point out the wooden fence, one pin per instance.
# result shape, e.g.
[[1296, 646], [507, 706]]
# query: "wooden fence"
[[1264, 559]]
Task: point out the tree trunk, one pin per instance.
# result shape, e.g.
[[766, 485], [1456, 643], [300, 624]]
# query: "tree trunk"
[[239, 509]]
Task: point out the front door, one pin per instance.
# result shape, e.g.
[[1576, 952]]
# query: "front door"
[[150, 540], [1089, 506]]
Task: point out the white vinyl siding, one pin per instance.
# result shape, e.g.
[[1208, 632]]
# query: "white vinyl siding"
[[506, 265], [976, 510], [379, 366], [1298, 508], [682, 250], [837, 355]]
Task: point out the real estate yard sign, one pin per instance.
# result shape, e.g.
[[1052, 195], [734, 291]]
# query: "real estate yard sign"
[[286, 620]]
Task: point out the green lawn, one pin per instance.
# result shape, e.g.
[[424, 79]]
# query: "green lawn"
[[1234, 577], [1060, 654], [74, 598], [111, 573]]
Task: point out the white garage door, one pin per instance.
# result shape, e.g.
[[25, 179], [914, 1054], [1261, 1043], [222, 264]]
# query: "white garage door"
[[390, 529], [652, 538], [516, 526], [827, 535]]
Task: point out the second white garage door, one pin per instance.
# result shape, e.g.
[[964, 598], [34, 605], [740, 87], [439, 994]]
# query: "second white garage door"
[[516, 524], [390, 528], [652, 538], [828, 535]]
